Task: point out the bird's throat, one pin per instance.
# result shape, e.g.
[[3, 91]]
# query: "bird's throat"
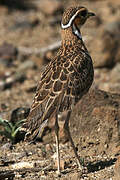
[[76, 31], [71, 35]]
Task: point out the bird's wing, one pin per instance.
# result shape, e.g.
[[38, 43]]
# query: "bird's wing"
[[62, 84], [48, 97], [80, 76]]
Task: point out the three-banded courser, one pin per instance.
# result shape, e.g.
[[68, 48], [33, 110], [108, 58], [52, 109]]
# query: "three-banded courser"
[[65, 80]]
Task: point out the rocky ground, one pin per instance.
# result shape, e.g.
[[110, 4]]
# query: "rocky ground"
[[30, 37]]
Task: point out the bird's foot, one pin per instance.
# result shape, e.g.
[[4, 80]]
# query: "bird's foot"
[[82, 168], [58, 172]]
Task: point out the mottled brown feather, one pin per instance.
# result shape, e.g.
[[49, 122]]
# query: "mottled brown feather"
[[65, 80]]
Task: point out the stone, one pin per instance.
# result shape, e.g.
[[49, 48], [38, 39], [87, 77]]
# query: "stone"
[[21, 165], [8, 53], [107, 45], [97, 116], [111, 47]]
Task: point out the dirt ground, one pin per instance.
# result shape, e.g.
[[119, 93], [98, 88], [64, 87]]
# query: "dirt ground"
[[30, 37]]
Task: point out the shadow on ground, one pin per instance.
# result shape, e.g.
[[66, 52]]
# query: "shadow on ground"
[[100, 165]]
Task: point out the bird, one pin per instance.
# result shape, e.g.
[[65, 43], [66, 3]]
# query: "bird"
[[65, 80]]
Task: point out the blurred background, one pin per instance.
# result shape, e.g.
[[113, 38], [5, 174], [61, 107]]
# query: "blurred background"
[[30, 36]]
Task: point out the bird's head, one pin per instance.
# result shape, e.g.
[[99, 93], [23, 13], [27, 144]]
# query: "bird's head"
[[75, 16]]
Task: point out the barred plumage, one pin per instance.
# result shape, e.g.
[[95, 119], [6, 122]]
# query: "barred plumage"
[[65, 80]]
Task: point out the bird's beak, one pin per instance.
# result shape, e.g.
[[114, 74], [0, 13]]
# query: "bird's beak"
[[90, 14]]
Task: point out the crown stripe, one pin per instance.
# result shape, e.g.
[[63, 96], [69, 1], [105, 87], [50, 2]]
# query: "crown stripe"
[[70, 22]]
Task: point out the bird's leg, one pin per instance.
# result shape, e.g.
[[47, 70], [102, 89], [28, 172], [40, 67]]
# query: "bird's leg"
[[57, 142], [66, 128]]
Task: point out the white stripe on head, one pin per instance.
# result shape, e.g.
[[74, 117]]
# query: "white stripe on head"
[[70, 22]]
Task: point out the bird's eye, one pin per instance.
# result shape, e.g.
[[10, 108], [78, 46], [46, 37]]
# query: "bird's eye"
[[83, 13]]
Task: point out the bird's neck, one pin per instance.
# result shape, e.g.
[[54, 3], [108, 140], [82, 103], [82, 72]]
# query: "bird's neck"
[[71, 36]]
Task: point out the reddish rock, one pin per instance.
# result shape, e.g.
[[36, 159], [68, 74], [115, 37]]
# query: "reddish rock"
[[96, 117]]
